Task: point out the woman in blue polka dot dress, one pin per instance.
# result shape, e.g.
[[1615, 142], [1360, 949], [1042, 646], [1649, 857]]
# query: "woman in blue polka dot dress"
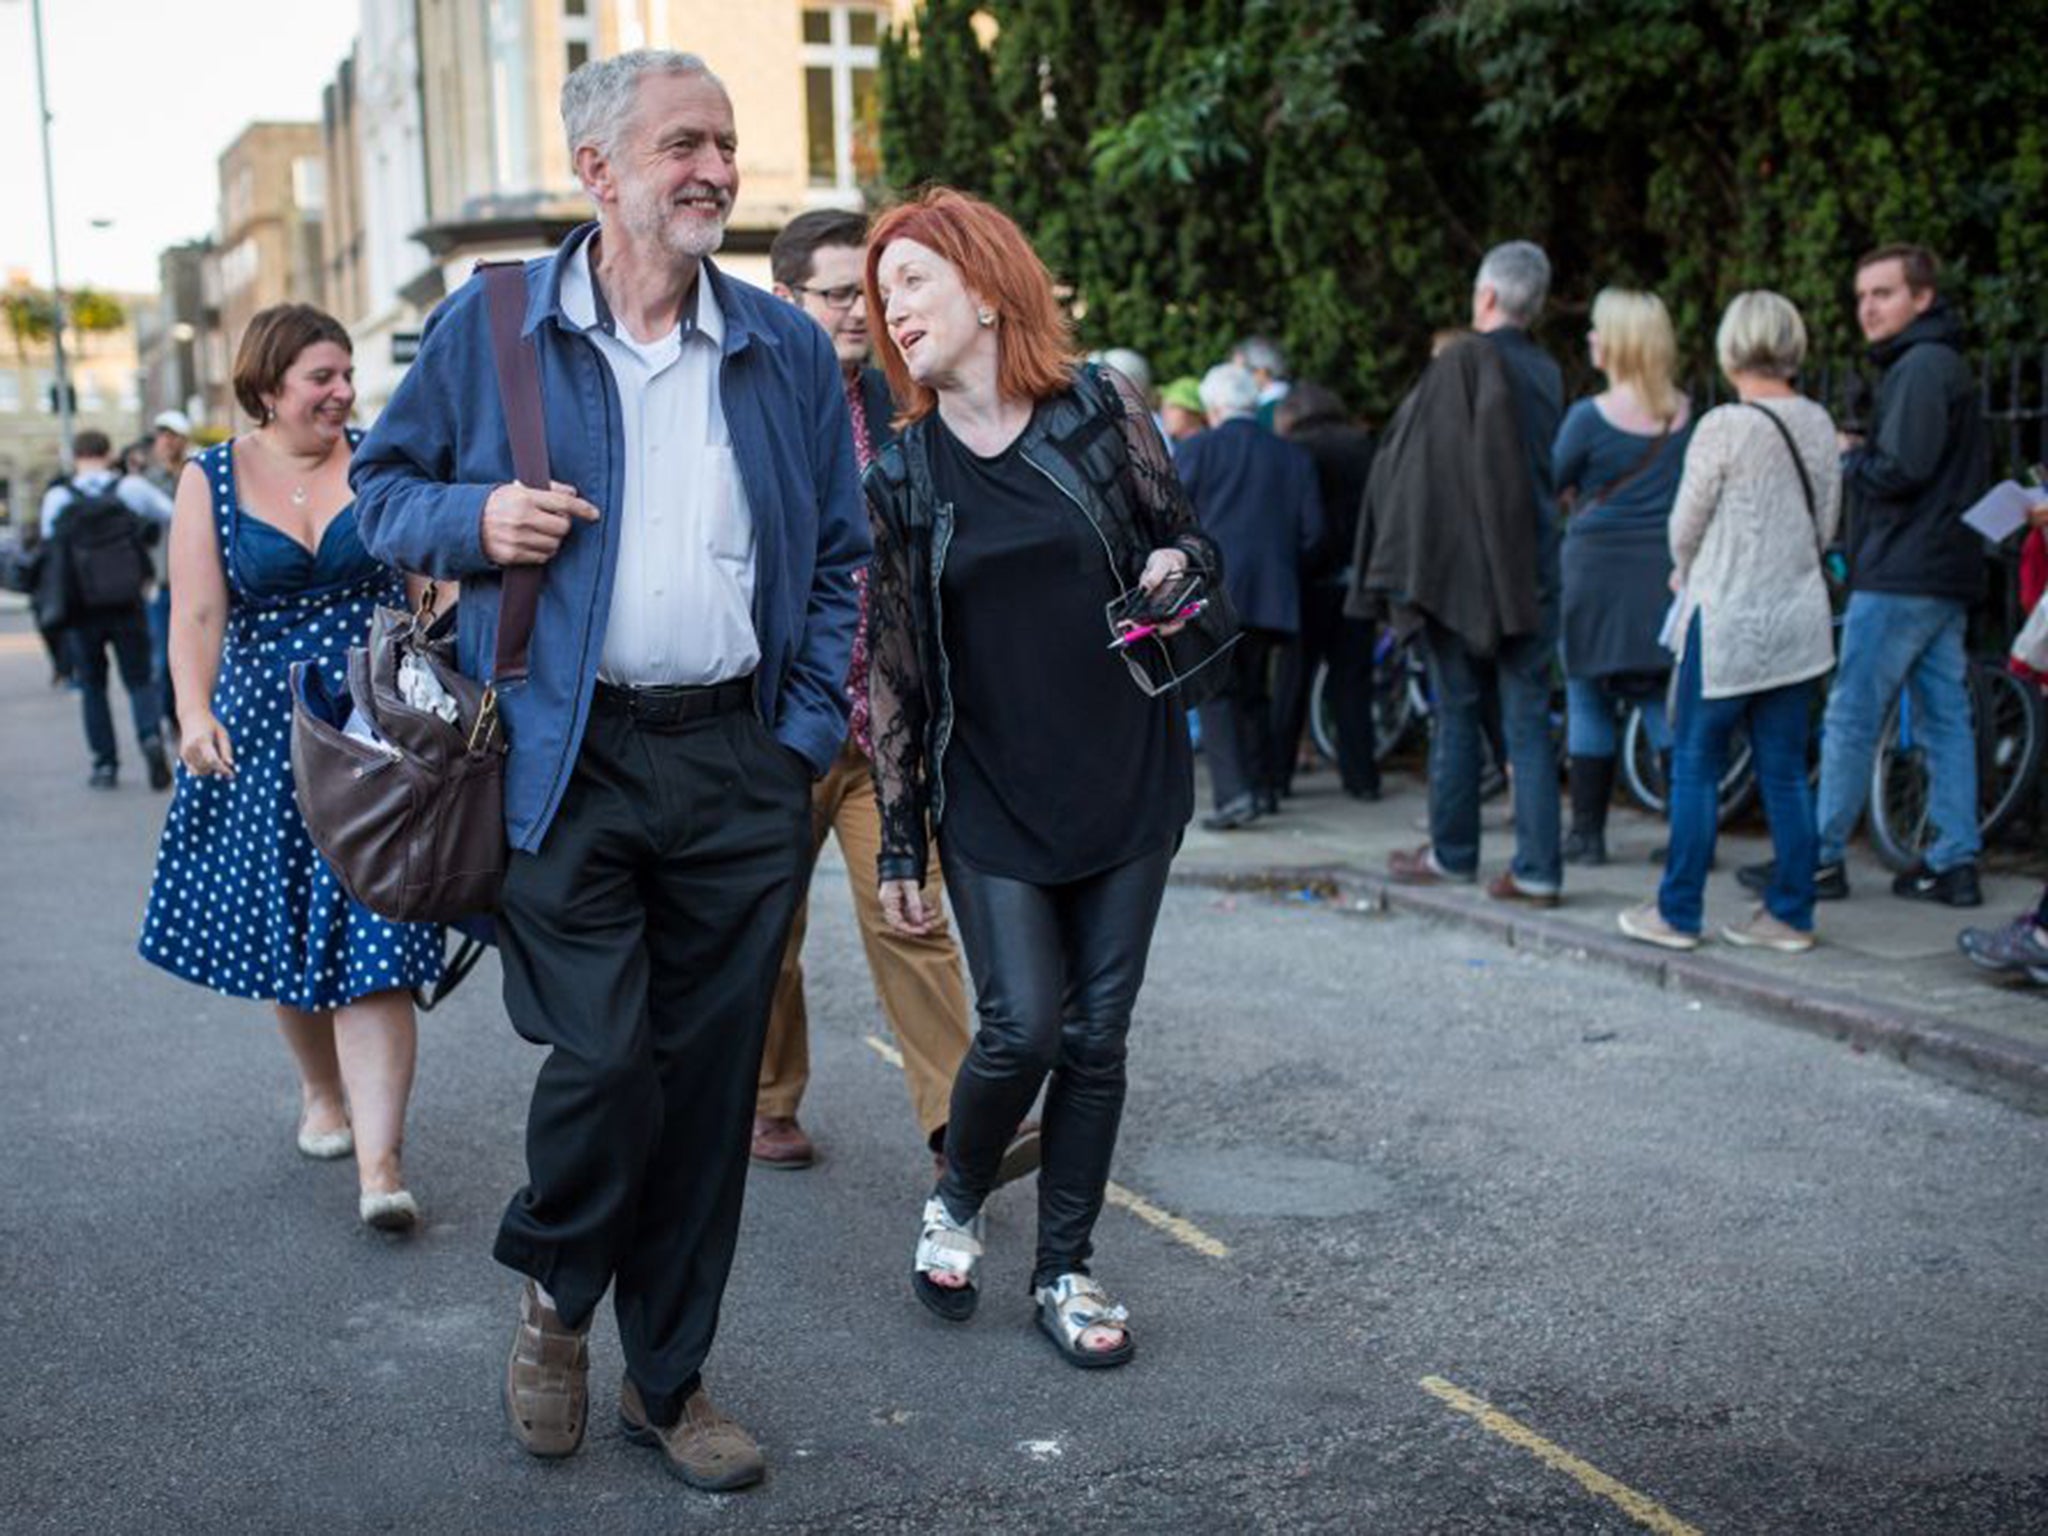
[[267, 568]]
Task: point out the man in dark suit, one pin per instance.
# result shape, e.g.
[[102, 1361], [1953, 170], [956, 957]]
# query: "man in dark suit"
[[1257, 497]]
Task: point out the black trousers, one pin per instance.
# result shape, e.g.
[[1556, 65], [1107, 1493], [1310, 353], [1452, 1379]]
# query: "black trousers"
[[127, 631], [1347, 644], [641, 945], [1056, 973], [1237, 725]]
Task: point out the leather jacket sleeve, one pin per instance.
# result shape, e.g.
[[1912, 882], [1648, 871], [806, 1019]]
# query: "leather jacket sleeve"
[[1167, 516], [898, 700]]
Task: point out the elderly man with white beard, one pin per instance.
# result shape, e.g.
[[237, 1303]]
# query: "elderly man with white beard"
[[689, 646]]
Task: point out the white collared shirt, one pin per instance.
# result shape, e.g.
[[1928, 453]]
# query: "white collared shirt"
[[682, 607]]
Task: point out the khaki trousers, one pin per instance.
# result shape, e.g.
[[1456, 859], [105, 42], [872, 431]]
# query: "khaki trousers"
[[917, 977]]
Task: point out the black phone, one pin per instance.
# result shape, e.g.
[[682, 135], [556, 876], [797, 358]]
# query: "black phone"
[[1138, 606]]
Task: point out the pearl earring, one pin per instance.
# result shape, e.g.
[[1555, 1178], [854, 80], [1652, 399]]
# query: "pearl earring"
[[987, 317]]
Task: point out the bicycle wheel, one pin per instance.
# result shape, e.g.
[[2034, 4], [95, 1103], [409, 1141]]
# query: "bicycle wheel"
[[1642, 770], [2007, 724], [1322, 715], [1900, 828], [2008, 717], [1394, 707]]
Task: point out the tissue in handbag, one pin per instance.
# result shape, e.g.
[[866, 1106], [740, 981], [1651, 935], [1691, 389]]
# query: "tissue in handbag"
[[413, 822]]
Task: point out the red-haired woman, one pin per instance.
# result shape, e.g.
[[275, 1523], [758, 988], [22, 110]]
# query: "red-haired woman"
[[1025, 495]]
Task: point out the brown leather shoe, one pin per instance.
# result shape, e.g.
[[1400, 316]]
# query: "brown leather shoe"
[[547, 1392], [1020, 1156], [1418, 866], [703, 1447], [1505, 887], [779, 1142]]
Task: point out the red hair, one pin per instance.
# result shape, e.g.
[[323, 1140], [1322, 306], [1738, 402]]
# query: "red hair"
[[1035, 344]]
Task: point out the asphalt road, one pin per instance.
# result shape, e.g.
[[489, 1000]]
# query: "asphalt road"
[[1706, 1271]]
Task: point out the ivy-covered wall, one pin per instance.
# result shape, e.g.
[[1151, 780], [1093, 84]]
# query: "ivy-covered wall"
[[1330, 171]]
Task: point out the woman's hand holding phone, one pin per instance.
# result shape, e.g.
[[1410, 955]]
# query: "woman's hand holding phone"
[[1162, 568]]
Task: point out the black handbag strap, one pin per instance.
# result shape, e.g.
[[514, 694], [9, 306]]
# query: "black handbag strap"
[[519, 390], [1798, 463]]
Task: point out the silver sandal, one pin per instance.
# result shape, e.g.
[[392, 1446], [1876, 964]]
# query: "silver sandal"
[[1073, 1304], [947, 1247]]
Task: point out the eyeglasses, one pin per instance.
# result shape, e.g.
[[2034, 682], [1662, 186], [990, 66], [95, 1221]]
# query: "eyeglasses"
[[836, 299]]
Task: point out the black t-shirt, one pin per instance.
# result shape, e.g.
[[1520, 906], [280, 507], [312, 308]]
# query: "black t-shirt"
[[1058, 767]]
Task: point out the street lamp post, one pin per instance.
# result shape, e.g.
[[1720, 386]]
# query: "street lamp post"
[[56, 277]]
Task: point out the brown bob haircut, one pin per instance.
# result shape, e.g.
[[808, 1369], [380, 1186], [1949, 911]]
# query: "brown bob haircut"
[[271, 345], [1035, 339], [1923, 271]]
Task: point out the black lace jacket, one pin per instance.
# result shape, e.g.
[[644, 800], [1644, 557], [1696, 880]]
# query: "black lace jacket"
[[1096, 444]]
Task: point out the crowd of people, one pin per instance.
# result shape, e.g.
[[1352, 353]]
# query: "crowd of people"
[[876, 556]]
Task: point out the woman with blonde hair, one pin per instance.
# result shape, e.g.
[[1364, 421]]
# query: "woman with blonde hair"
[[1755, 509], [1617, 461]]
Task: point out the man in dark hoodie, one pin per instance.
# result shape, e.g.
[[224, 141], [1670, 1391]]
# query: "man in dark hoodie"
[[1914, 570]]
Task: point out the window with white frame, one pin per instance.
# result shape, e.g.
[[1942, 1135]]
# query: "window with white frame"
[[842, 109], [578, 36]]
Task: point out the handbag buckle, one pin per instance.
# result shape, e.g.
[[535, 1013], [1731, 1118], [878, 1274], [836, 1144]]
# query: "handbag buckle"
[[486, 728]]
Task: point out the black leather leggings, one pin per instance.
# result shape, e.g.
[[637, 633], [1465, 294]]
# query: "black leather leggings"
[[1056, 971]]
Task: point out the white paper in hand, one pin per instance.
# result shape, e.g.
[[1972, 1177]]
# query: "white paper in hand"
[[2003, 511]]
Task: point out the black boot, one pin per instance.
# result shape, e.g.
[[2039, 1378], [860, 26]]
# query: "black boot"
[[1592, 787]]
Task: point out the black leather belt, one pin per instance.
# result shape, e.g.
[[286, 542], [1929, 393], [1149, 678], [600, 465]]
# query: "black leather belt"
[[658, 707]]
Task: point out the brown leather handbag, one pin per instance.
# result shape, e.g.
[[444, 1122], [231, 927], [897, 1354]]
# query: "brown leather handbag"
[[407, 803]]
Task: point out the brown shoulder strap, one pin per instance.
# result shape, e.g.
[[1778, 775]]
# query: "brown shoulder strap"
[[519, 390]]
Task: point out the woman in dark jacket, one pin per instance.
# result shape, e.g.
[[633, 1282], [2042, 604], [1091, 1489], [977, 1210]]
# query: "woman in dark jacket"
[[1024, 497], [1617, 457]]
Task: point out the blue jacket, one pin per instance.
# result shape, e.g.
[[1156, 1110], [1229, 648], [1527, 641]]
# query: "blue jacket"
[[423, 474], [1258, 498]]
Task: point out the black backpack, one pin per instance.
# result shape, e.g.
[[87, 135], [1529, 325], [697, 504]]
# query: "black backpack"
[[105, 551]]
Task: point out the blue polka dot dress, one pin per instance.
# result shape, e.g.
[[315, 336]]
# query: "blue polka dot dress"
[[242, 902]]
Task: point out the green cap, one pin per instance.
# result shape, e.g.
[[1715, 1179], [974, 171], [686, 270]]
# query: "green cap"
[[1184, 392]]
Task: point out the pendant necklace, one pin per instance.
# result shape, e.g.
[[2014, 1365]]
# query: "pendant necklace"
[[299, 496]]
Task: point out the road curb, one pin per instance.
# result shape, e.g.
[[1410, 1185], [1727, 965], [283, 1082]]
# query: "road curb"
[[1976, 1059]]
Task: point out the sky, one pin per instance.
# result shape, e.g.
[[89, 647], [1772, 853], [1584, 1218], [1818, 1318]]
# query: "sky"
[[144, 96]]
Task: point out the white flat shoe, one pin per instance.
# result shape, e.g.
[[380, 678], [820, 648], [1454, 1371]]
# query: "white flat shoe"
[[393, 1212], [327, 1146]]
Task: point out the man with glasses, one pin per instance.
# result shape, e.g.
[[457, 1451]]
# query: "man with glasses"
[[818, 265]]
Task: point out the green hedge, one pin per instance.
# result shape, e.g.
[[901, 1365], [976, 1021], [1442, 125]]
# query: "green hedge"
[[1330, 172]]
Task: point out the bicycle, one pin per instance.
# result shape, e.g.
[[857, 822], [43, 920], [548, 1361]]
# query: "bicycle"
[[2008, 720]]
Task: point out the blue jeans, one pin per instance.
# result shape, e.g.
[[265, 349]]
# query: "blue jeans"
[[160, 646], [1592, 720], [128, 635], [1778, 720], [1520, 672], [1889, 643]]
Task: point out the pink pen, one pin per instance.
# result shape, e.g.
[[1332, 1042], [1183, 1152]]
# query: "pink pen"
[[1139, 631]]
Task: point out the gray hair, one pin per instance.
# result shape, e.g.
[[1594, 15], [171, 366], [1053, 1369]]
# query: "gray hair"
[[1229, 389], [1761, 332], [1131, 365], [1261, 354], [1519, 275], [598, 97]]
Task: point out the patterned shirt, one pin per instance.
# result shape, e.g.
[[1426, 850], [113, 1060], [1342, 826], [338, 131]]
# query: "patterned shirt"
[[857, 673]]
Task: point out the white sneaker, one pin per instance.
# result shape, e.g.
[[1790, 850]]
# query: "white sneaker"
[[1763, 931], [1647, 924]]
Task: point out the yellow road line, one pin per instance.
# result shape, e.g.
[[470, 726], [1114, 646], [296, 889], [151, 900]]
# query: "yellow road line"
[[1179, 1228], [20, 645], [1639, 1507]]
